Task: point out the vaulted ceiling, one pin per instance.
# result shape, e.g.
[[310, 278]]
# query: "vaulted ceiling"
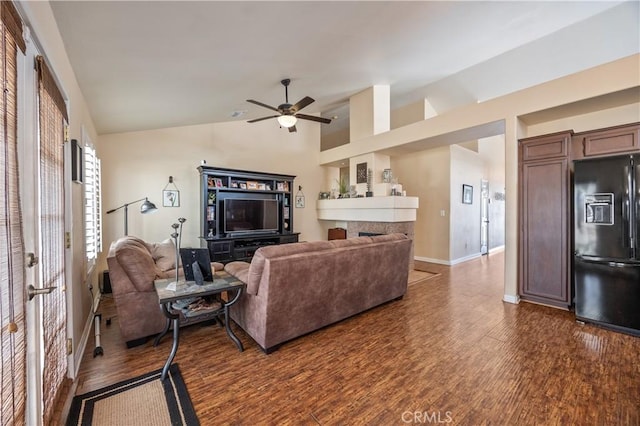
[[155, 64]]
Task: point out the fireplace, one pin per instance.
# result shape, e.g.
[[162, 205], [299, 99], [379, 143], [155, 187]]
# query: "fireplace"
[[372, 215]]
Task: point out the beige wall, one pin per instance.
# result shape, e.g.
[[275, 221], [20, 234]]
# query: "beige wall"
[[426, 175], [138, 164]]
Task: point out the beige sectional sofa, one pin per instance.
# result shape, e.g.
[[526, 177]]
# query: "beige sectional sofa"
[[294, 289], [133, 267]]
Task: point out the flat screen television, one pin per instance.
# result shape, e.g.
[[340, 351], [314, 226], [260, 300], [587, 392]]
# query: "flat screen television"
[[248, 215]]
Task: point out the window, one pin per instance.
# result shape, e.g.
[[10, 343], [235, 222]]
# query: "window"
[[92, 200]]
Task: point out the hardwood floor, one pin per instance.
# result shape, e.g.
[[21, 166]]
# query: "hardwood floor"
[[450, 351]]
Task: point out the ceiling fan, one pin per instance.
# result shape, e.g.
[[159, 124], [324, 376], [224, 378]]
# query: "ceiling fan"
[[288, 114]]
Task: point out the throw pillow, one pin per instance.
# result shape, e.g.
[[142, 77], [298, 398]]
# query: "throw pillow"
[[164, 254]]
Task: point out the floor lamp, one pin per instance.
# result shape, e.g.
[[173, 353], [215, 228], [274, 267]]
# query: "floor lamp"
[[146, 207]]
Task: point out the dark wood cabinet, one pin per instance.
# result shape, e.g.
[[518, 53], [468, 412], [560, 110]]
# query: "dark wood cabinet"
[[611, 141], [545, 219], [242, 211], [546, 208]]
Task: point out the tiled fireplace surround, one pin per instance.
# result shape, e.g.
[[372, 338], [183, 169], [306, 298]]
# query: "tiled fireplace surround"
[[354, 228]]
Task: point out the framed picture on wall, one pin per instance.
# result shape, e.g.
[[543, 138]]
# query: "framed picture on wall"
[[467, 194], [170, 198], [361, 173]]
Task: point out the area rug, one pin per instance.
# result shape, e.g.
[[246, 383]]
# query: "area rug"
[[416, 276], [144, 400]]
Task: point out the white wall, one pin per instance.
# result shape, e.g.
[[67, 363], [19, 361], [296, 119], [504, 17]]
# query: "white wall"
[[467, 168], [492, 152]]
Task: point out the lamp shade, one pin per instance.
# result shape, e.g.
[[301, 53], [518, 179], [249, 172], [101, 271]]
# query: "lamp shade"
[[147, 207], [287, 120]]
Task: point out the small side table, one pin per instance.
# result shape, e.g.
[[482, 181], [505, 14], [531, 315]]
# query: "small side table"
[[222, 281]]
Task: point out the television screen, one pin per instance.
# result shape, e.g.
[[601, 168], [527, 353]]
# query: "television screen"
[[250, 215]]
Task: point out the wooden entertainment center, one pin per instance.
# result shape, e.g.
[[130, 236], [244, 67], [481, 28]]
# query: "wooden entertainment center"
[[242, 211]]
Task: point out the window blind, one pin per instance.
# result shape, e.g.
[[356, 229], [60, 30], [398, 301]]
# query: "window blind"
[[92, 197], [12, 273], [52, 117]]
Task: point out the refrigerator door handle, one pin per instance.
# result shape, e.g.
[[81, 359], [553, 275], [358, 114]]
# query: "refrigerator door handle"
[[608, 261], [624, 265], [636, 160], [627, 234]]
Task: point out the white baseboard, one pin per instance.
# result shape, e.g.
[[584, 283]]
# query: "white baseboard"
[[497, 249], [466, 258], [89, 327], [511, 299], [447, 262], [431, 260]]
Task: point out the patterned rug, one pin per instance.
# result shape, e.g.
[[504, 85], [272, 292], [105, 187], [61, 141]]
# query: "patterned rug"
[[416, 276], [144, 400]]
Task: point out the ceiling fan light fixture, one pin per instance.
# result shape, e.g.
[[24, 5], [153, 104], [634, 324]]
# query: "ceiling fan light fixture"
[[287, 120]]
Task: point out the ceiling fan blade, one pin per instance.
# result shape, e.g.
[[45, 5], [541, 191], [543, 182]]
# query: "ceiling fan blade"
[[263, 105], [292, 129], [301, 104], [314, 118], [262, 118]]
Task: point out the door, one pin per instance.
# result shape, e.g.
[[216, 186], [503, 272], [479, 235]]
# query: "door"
[[602, 208], [607, 293], [41, 136], [545, 218], [484, 216], [29, 190]]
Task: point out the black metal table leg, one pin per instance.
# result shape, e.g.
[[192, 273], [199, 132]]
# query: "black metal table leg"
[[227, 320], [166, 328], [175, 319]]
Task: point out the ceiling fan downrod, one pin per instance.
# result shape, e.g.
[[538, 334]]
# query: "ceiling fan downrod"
[[285, 83]]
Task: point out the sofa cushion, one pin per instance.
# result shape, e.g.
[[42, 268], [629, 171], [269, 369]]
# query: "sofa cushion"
[[136, 261], [164, 254], [240, 270]]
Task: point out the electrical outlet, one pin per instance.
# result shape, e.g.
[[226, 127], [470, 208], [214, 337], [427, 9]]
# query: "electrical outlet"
[[443, 213]]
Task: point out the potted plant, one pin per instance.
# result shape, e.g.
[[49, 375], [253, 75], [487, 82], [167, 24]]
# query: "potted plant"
[[342, 187]]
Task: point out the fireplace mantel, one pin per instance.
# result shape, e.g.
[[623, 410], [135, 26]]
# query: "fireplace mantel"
[[371, 209]]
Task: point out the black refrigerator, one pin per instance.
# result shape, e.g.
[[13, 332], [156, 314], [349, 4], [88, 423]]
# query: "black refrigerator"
[[606, 242]]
